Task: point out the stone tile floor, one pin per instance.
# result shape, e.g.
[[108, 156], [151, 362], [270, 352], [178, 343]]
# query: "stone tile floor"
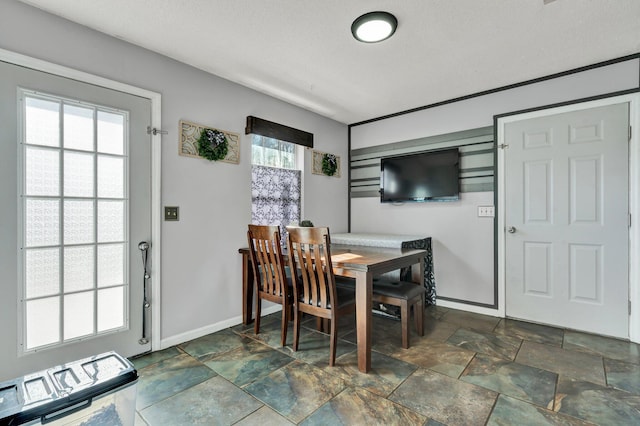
[[468, 369]]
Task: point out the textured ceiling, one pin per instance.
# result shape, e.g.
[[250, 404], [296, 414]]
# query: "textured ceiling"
[[302, 51]]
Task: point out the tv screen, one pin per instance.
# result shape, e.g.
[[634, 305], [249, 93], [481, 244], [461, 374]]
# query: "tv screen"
[[425, 176]]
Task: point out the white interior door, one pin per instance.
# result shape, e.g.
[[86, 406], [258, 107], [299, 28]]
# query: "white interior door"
[[78, 178], [567, 218]]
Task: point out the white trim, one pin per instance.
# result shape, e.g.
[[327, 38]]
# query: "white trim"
[[634, 198], [156, 163], [62, 71], [212, 328], [500, 237], [300, 156], [634, 210], [156, 223], [469, 308]]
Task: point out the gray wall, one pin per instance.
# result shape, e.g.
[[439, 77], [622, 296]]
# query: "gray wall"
[[463, 243], [201, 269]]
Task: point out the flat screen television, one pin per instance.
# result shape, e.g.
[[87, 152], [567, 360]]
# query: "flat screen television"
[[424, 176]]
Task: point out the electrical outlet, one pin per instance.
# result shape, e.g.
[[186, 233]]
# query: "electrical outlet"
[[486, 211], [171, 213]]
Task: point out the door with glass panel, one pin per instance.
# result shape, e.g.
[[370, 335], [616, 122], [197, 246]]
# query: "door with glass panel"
[[83, 206]]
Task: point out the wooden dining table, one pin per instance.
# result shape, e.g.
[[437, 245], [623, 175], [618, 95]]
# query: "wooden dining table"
[[360, 262]]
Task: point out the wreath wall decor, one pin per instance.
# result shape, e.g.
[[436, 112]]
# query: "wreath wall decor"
[[212, 144], [189, 142], [329, 164], [325, 164]]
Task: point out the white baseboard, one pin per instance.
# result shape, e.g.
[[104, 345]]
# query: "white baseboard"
[[212, 328], [469, 308]]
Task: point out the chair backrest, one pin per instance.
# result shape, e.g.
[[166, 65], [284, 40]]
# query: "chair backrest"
[[310, 256], [267, 260]]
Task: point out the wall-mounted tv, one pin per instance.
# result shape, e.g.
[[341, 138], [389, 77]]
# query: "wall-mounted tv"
[[423, 176]]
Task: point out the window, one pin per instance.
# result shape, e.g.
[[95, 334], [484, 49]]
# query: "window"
[[275, 183], [272, 152], [74, 209]]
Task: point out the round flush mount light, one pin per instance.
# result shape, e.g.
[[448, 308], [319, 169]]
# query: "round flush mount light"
[[373, 27]]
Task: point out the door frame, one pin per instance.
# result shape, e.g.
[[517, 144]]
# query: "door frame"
[[634, 196], [156, 162]]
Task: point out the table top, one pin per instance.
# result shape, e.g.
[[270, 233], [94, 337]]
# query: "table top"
[[369, 259], [366, 258]]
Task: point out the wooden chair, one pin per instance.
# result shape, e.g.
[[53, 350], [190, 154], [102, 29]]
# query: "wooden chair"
[[405, 295], [268, 265], [314, 285]]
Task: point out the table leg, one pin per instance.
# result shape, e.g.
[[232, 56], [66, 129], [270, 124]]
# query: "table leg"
[[364, 285], [247, 290]]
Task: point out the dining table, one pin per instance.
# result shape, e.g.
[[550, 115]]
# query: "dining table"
[[360, 262]]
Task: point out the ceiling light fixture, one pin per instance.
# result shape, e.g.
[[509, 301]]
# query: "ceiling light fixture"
[[373, 27]]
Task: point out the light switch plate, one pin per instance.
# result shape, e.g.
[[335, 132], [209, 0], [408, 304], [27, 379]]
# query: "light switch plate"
[[171, 213], [486, 211]]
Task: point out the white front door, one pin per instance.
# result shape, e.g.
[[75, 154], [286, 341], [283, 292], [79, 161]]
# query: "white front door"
[[78, 177], [566, 219]]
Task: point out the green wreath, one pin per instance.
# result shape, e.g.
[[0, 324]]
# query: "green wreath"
[[329, 164], [213, 145]]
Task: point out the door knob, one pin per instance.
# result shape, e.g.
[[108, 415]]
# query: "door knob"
[[511, 229]]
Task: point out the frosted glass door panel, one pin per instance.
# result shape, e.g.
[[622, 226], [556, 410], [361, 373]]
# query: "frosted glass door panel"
[[78, 315], [110, 177], [42, 222], [110, 133], [42, 272], [78, 222], [78, 174], [110, 265], [42, 171], [110, 221], [60, 190], [79, 270], [78, 128], [41, 321], [110, 308], [76, 190], [42, 122]]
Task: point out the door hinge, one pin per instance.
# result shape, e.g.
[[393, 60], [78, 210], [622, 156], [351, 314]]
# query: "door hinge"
[[629, 132], [503, 146], [629, 307], [629, 220]]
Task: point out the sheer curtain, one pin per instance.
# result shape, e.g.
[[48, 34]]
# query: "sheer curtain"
[[275, 197]]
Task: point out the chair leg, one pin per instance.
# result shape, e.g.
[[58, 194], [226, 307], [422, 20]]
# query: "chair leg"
[[334, 342], [323, 324], [296, 328], [256, 327], [285, 324], [419, 315], [404, 319]]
